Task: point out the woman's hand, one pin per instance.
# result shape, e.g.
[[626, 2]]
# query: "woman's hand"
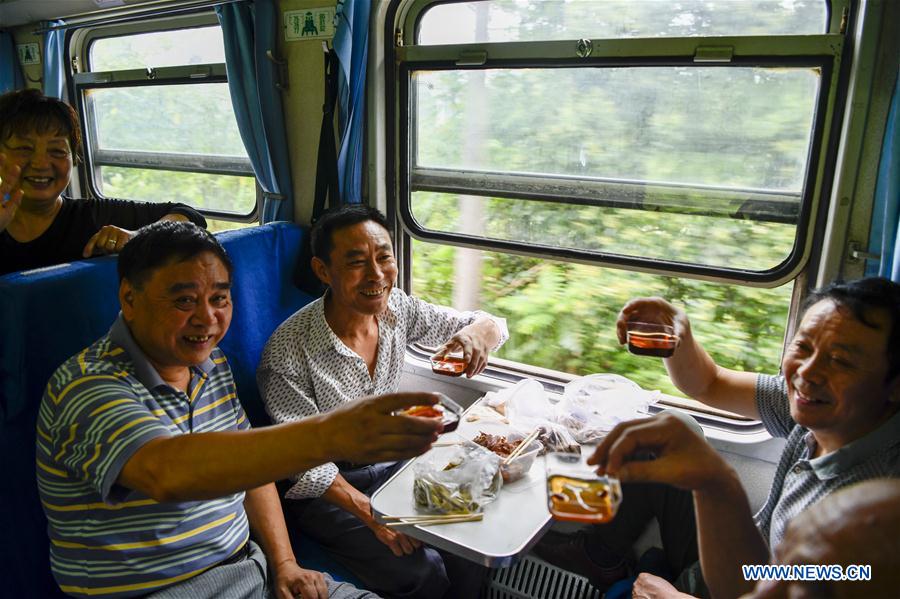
[[110, 239], [10, 192]]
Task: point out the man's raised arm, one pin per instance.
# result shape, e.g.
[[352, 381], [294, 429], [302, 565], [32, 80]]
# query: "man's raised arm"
[[209, 465], [691, 369]]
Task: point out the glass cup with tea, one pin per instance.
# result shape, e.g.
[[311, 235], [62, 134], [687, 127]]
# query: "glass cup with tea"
[[452, 364], [576, 493], [651, 339], [446, 409]]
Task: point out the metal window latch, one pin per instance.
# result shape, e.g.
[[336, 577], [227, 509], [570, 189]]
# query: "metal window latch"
[[855, 254], [583, 48], [474, 58], [713, 54], [201, 72]]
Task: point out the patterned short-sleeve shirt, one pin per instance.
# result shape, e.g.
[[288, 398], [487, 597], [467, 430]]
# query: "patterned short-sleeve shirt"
[[306, 369], [98, 409], [801, 480]]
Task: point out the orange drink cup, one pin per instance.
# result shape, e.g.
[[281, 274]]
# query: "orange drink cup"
[[576, 493], [450, 365], [651, 339]]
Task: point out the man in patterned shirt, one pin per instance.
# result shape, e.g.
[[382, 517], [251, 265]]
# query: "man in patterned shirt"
[[349, 343], [836, 403], [147, 471]]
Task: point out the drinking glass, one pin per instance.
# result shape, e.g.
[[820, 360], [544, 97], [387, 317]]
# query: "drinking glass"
[[575, 492]]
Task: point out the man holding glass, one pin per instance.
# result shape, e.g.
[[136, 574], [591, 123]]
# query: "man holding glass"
[[836, 403]]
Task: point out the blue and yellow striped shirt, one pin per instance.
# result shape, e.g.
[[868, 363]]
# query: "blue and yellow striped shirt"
[[98, 409]]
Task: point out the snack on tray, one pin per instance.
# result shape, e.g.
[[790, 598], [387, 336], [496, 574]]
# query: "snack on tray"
[[464, 485]]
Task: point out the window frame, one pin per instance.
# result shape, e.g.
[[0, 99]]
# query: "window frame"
[[825, 51], [84, 81]]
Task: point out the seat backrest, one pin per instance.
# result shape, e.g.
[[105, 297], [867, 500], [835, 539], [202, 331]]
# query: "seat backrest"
[[264, 296], [50, 314]]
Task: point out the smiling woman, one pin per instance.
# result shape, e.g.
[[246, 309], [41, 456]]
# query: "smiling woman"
[[40, 142]]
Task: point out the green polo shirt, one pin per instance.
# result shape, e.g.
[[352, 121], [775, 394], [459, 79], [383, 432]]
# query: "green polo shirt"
[[98, 409]]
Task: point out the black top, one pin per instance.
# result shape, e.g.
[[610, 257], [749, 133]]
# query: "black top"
[[75, 223]]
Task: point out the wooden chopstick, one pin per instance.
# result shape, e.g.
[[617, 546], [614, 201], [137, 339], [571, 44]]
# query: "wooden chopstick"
[[445, 443], [518, 450], [437, 520], [427, 516]]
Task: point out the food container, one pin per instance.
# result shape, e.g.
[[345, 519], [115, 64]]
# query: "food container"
[[522, 463], [503, 441], [447, 410]]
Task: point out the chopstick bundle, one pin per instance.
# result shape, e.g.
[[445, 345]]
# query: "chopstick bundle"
[[521, 447], [431, 519]]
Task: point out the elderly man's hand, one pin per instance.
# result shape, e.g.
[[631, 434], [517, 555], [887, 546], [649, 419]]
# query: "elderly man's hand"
[[663, 449], [10, 192], [366, 431], [399, 543], [652, 309], [474, 342], [293, 581], [110, 239]]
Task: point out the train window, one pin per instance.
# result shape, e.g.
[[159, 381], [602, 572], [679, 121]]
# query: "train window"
[[702, 146], [558, 158], [159, 124], [536, 20]]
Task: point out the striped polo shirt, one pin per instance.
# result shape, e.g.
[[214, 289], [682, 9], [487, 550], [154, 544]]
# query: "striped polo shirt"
[[99, 408], [802, 480]]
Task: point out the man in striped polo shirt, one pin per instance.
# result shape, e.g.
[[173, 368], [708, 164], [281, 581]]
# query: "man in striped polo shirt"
[[147, 470]]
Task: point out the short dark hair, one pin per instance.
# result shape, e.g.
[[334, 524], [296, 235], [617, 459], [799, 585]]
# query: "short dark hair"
[[29, 111], [322, 234], [861, 297], [166, 242]]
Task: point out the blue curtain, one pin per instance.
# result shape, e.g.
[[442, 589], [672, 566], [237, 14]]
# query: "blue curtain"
[[11, 77], [249, 29], [884, 239], [54, 61], [351, 42]]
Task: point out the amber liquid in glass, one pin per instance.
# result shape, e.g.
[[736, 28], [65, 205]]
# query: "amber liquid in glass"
[[579, 500], [659, 345], [449, 365]]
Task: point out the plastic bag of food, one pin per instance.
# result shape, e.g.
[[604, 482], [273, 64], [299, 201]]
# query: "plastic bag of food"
[[525, 402], [556, 437], [527, 407], [593, 405], [464, 484]]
